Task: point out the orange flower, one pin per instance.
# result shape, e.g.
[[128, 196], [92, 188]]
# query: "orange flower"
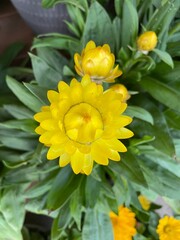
[[123, 224], [169, 228]]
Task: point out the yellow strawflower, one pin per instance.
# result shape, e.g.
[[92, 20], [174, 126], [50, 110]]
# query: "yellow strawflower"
[[123, 224], [147, 41], [97, 62], [121, 89], [169, 228], [82, 124], [145, 203]]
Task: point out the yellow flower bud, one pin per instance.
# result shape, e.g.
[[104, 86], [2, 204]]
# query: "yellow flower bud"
[[147, 41], [97, 62], [121, 89], [145, 203]]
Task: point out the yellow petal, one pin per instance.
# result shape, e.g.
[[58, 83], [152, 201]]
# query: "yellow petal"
[[39, 130], [114, 155], [62, 86], [76, 94], [85, 80], [77, 161], [88, 164], [48, 124], [124, 133], [106, 47], [46, 137], [53, 96], [64, 160], [58, 138], [116, 145], [77, 60], [98, 154], [90, 45], [55, 151], [41, 116]]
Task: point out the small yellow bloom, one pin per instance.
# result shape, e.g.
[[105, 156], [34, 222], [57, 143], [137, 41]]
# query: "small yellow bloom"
[[169, 228], [121, 89], [147, 41], [83, 124], [145, 203], [123, 224], [97, 62]]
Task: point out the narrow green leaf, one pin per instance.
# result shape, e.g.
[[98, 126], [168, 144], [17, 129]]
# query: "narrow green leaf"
[[25, 144], [27, 125], [23, 94], [81, 4], [38, 92], [19, 112], [161, 92], [140, 113], [12, 214], [129, 168], [95, 29], [97, 226], [164, 56], [46, 75], [129, 24], [58, 41], [64, 185]]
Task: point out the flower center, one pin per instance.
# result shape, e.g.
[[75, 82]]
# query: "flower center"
[[167, 229], [83, 123]]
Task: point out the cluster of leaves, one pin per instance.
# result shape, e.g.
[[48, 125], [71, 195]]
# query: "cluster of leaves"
[[79, 204]]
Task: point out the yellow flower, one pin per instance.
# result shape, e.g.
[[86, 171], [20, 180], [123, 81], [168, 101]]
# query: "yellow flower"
[[169, 228], [147, 41], [121, 89], [97, 62], [82, 125], [123, 224], [145, 203]]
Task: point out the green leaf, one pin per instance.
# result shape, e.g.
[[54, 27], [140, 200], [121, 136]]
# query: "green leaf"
[[160, 158], [161, 92], [25, 144], [159, 179], [18, 111], [164, 56], [98, 26], [76, 206], [140, 113], [97, 226], [38, 92], [12, 213], [23, 94], [58, 41], [27, 125], [172, 118], [129, 168], [166, 74], [92, 191], [129, 24], [63, 186], [81, 4], [46, 75]]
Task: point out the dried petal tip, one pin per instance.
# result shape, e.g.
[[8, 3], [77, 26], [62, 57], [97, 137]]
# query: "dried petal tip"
[[147, 41]]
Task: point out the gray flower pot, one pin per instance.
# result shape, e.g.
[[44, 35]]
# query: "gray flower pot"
[[42, 20]]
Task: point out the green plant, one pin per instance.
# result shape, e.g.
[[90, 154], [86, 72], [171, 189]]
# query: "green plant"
[[80, 204]]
